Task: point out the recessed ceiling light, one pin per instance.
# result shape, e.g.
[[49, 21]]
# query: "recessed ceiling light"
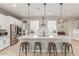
[[68, 13], [36, 13], [23, 14], [14, 5], [49, 13]]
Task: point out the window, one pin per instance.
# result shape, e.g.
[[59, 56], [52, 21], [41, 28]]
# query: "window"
[[34, 26], [51, 25]]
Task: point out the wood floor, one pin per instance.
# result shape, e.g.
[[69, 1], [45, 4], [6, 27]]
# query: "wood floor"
[[14, 51]]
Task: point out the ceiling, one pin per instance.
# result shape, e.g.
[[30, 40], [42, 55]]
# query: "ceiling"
[[20, 10]]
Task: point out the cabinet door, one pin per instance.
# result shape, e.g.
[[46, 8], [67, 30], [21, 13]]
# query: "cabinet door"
[[2, 43]]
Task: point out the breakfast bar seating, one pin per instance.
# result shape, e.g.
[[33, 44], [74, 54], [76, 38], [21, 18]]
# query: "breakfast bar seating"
[[50, 45], [37, 44], [67, 46], [23, 47]]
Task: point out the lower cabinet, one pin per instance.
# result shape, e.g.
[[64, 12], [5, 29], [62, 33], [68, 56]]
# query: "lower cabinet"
[[4, 42], [2, 45]]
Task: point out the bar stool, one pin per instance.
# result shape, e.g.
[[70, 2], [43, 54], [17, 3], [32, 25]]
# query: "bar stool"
[[35, 47], [50, 45], [67, 47], [23, 47]]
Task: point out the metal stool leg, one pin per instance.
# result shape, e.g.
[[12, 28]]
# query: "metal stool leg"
[[62, 49], [26, 50], [34, 49], [68, 49], [40, 51], [19, 50], [56, 50], [72, 51], [49, 51], [65, 50]]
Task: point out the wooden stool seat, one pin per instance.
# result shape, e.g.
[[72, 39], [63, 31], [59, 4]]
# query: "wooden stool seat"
[[67, 44]]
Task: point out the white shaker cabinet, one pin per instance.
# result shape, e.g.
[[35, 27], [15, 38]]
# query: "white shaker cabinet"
[[3, 42]]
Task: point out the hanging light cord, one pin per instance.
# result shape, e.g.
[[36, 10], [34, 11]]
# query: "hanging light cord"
[[28, 20], [28, 9], [61, 9], [44, 9]]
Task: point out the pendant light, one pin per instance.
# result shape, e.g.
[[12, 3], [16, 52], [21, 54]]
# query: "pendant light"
[[43, 20], [61, 19], [44, 10], [28, 32], [28, 11]]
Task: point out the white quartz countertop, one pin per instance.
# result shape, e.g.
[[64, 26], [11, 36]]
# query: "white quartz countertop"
[[44, 37]]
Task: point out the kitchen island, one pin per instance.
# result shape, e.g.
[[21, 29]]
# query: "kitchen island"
[[44, 41]]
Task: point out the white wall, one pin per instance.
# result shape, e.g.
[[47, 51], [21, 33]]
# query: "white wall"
[[5, 22]]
